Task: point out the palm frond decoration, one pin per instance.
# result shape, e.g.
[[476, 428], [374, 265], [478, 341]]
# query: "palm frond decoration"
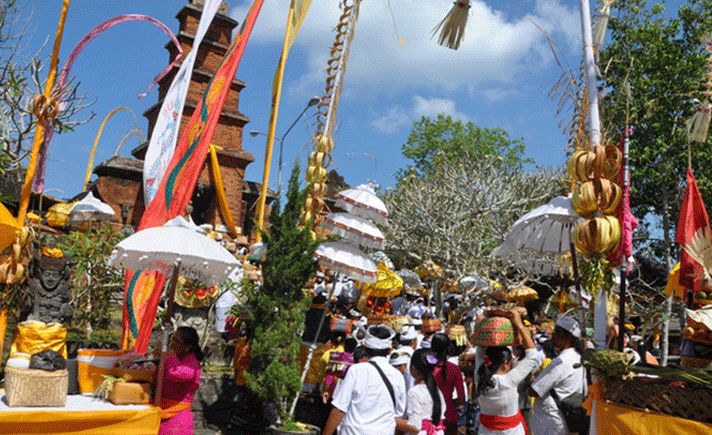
[[452, 27]]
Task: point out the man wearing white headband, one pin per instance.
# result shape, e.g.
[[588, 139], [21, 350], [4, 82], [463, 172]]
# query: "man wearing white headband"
[[561, 378], [408, 337], [400, 359], [372, 393]]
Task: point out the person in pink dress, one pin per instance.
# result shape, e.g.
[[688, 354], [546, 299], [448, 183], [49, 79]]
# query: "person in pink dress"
[[449, 378], [181, 378]]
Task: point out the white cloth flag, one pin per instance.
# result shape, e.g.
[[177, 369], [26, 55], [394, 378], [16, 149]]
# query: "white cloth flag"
[[165, 133]]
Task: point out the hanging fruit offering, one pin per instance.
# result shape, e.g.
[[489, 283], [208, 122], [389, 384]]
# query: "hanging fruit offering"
[[596, 198]]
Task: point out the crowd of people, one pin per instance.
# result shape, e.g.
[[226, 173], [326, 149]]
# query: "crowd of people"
[[425, 377], [419, 381]]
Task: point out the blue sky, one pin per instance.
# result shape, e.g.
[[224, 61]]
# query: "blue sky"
[[500, 77]]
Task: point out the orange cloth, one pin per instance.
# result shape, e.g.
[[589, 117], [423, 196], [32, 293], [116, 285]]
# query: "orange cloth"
[[69, 422], [171, 408], [595, 392]]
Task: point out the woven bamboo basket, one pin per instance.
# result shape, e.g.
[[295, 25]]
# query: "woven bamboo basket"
[[694, 363], [36, 387], [690, 401]]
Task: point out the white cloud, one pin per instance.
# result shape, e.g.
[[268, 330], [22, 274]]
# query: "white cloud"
[[435, 106], [398, 116], [389, 124], [497, 47]]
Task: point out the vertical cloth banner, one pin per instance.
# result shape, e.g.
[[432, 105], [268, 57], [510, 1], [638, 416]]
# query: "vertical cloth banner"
[[627, 220], [165, 132], [693, 218], [140, 305], [182, 174], [297, 12], [176, 188], [38, 185], [143, 289]]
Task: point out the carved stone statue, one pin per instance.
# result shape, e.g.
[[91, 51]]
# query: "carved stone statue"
[[48, 280]]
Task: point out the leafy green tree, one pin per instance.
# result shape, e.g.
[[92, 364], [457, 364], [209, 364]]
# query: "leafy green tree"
[[467, 187], [280, 304], [652, 70], [94, 282], [661, 59], [443, 139]]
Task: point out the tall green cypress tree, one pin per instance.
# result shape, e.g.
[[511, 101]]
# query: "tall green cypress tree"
[[279, 306]]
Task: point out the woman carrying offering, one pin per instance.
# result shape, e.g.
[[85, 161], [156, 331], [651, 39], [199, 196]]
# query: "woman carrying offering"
[[426, 404], [497, 383], [181, 378]]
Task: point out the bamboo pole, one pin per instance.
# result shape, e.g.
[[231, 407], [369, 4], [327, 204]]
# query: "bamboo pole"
[[590, 68], [276, 95]]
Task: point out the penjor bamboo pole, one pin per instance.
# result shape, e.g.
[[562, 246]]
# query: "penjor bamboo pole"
[[41, 119], [276, 95], [590, 67]]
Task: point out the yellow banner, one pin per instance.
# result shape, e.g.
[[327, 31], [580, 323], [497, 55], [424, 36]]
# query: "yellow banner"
[[299, 12]]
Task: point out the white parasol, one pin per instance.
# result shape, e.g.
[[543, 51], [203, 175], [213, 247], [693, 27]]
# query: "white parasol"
[[177, 245], [89, 208], [158, 248], [410, 278], [347, 259], [544, 230], [355, 229], [362, 201]]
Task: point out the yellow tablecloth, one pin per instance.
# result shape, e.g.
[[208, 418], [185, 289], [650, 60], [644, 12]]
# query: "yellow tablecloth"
[[615, 419], [81, 416]]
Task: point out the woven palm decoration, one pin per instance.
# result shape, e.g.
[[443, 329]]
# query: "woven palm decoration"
[[452, 27], [599, 30], [700, 122]]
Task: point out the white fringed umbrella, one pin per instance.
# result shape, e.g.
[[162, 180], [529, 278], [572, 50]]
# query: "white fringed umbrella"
[[346, 259], [362, 201], [89, 208], [180, 248], [355, 229], [545, 230], [159, 248]]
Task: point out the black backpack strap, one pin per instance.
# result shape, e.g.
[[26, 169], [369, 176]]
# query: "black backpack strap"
[[387, 382]]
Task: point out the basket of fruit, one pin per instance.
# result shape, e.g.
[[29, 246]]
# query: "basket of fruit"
[[703, 297]]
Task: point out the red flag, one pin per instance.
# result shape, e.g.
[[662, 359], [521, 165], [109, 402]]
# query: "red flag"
[[178, 183], [693, 217], [182, 174]]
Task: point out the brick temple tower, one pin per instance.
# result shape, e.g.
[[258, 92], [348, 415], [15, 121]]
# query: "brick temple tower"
[[119, 182]]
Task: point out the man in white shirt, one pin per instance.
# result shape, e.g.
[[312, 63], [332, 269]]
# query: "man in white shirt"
[[363, 403], [417, 310], [560, 375]]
